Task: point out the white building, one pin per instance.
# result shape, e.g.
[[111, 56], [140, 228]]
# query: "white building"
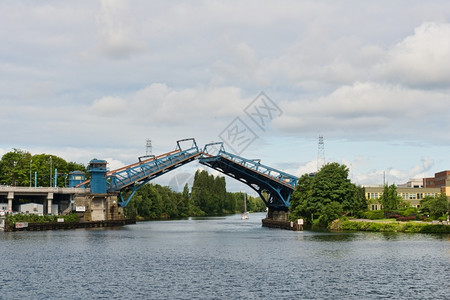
[[32, 208]]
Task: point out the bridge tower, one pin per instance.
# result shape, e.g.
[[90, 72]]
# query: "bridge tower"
[[97, 169]]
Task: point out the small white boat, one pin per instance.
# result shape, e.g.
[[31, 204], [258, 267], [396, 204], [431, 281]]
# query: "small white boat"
[[244, 216]]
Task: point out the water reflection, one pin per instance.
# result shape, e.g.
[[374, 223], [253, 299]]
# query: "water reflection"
[[331, 237]]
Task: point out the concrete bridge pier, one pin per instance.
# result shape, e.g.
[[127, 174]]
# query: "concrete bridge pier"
[[49, 203], [280, 219], [278, 215], [10, 200]]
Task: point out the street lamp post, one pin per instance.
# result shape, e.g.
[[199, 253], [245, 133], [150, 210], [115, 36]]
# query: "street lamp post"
[[31, 161], [50, 178], [13, 181]]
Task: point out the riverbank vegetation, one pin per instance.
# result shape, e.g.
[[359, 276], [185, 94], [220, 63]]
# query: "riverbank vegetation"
[[392, 225], [328, 195], [32, 218]]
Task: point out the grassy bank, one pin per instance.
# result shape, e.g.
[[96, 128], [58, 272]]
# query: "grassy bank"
[[412, 227]]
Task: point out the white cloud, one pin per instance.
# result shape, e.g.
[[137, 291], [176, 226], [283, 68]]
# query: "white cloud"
[[114, 164], [369, 109], [108, 106], [394, 175], [420, 59], [119, 37], [309, 167]]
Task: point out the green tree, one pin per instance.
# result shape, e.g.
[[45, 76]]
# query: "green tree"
[[18, 167], [15, 168], [326, 195], [390, 199], [300, 206], [329, 213], [185, 204], [359, 205], [435, 206]]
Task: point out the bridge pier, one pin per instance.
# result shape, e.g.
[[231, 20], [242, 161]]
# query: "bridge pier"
[[10, 200], [278, 215], [49, 203], [98, 207], [280, 219]]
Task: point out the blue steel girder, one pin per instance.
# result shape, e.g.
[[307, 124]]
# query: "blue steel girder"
[[274, 187], [135, 175]]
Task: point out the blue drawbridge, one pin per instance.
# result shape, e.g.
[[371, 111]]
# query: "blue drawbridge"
[[273, 186]]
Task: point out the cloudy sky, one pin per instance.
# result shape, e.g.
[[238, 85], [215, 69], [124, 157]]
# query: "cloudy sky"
[[85, 79]]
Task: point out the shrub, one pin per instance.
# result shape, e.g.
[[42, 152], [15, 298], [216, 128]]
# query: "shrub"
[[393, 216], [410, 211], [32, 218], [374, 214]]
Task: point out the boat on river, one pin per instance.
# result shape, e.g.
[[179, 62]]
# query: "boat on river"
[[244, 216]]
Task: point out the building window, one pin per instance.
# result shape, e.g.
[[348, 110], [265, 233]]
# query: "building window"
[[373, 195]]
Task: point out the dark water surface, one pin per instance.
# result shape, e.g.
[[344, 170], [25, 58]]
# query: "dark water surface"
[[222, 258]]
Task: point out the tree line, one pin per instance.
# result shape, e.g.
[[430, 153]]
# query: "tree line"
[[207, 197], [18, 168]]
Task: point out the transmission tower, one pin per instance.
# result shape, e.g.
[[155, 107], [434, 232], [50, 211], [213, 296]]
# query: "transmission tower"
[[320, 153], [148, 147]]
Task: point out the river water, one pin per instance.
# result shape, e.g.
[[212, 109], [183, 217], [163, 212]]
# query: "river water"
[[222, 258]]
